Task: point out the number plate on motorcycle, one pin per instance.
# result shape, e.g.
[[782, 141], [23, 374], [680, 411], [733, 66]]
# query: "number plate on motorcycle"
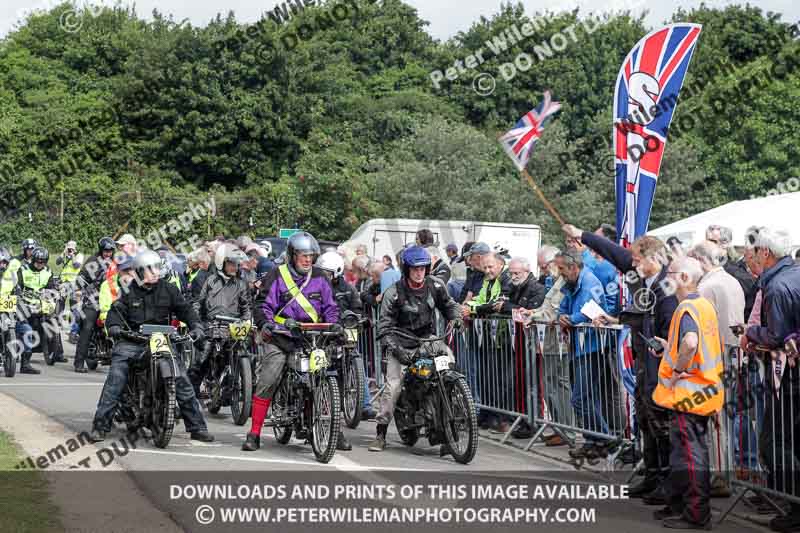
[[319, 360], [8, 304], [48, 307], [159, 344], [239, 330], [442, 363], [352, 334]]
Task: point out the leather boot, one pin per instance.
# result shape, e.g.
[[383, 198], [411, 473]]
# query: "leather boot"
[[251, 443], [25, 364]]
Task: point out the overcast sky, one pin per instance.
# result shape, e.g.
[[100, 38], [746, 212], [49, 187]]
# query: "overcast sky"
[[446, 17]]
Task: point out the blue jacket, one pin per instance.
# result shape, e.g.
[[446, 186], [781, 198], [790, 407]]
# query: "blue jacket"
[[780, 307], [609, 278], [587, 288]]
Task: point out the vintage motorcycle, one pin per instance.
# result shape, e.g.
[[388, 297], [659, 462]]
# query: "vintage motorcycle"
[[227, 372], [349, 366], [307, 399], [8, 355], [148, 400], [42, 308], [437, 399]]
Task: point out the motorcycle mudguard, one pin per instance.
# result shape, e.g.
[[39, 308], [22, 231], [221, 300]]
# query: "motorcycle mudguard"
[[450, 376], [165, 368]]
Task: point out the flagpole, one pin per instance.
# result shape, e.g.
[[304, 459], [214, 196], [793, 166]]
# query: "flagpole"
[[546, 202]]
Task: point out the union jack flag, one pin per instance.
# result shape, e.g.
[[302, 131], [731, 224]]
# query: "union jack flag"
[[519, 142], [646, 94]]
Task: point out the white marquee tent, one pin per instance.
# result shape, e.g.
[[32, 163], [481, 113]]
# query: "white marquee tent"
[[780, 211]]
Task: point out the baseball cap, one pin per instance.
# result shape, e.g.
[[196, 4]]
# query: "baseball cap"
[[71, 245], [126, 239], [479, 248]]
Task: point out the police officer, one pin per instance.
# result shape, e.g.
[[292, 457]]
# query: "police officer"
[[7, 288], [149, 300], [32, 279], [409, 304], [295, 292], [70, 262], [90, 278]]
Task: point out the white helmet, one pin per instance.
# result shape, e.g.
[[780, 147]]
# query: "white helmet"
[[228, 252], [266, 245], [331, 262]]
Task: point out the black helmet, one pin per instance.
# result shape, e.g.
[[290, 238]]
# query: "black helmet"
[[302, 242], [29, 244], [40, 254], [106, 244]]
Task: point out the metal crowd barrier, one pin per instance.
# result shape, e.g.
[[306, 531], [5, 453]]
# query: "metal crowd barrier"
[[762, 414], [577, 383]]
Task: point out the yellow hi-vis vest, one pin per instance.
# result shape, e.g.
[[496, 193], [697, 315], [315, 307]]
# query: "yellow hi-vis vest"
[[701, 393], [297, 296]]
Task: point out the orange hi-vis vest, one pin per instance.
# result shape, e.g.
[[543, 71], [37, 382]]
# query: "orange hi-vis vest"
[[701, 393]]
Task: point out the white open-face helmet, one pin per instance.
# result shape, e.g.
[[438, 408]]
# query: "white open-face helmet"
[[331, 262]]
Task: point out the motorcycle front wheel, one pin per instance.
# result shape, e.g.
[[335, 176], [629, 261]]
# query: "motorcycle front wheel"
[[353, 391], [326, 418], [164, 406], [241, 391], [460, 430]]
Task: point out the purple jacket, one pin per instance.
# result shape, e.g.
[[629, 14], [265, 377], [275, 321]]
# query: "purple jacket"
[[318, 291]]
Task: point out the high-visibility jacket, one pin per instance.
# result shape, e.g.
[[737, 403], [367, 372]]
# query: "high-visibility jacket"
[[701, 393], [69, 273], [109, 292], [9, 281]]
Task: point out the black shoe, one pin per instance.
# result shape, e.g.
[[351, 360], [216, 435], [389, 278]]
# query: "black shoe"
[[343, 444], [657, 497], [60, 359], [666, 512], [644, 487], [97, 435], [202, 436], [28, 369], [251, 443], [785, 524], [82, 370], [677, 522], [368, 414]]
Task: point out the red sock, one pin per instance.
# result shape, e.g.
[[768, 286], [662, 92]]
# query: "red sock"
[[260, 408]]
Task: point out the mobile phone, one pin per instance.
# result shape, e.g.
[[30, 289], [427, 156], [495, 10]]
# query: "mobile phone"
[[653, 344]]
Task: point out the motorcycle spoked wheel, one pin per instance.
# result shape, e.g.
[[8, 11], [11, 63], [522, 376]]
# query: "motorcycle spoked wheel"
[[163, 414], [279, 405], [460, 430], [353, 392], [325, 417], [241, 391]]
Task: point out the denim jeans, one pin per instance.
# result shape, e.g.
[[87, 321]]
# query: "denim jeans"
[[746, 409], [586, 395], [122, 354]]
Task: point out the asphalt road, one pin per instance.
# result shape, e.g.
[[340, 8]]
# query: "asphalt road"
[[71, 398]]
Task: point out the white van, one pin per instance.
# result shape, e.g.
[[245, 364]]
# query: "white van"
[[386, 236]]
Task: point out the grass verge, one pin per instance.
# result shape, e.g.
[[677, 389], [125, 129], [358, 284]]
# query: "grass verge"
[[25, 505]]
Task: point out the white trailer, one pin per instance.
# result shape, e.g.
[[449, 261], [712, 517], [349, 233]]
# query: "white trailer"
[[386, 236]]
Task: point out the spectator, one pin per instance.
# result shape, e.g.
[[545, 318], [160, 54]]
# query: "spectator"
[[580, 287], [556, 369], [361, 265], [691, 362], [727, 297], [389, 277], [361, 250], [734, 265], [458, 270], [495, 289], [259, 260], [474, 258], [199, 261], [439, 267], [645, 268], [675, 246], [387, 260], [780, 317], [606, 273], [425, 238], [452, 253], [526, 292]]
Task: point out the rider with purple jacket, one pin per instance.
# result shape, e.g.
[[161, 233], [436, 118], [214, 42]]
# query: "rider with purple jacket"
[[296, 292]]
